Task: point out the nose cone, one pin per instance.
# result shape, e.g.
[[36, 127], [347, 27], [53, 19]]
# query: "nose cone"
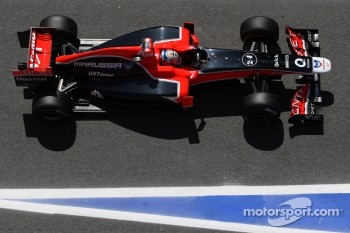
[[321, 65]]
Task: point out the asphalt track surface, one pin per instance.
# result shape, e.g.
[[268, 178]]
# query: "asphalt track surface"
[[164, 148]]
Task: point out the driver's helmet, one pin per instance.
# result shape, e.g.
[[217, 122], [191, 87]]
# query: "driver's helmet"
[[170, 57]]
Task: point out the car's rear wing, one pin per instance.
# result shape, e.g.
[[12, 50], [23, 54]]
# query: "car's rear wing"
[[306, 105], [38, 66]]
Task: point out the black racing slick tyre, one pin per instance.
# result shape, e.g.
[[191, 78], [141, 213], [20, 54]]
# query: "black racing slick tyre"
[[259, 29], [52, 108], [260, 108], [65, 27]]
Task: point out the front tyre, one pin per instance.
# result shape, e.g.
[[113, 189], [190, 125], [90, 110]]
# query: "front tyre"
[[259, 29], [52, 108], [260, 108]]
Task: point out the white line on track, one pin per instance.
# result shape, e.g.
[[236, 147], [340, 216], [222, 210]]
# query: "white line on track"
[[173, 191]]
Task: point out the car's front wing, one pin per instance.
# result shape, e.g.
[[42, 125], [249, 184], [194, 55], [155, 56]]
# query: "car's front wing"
[[306, 104]]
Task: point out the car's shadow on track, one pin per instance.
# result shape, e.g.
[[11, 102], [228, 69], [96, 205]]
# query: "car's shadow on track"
[[55, 137], [218, 99]]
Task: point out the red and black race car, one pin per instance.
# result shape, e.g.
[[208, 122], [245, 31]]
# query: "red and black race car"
[[158, 64]]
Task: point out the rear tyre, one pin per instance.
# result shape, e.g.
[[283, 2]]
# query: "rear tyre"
[[259, 29], [260, 108], [65, 27], [52, 108]]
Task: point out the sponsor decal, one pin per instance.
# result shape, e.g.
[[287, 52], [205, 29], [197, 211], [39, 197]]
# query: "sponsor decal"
[[287, 61], [312, 110], [297, 101], [291, 211], [313, 117], [99, 74], [297, 42], [317, 64], [35, 72], [249, 59], [324, 67], [301, 52], [276, 61], [145, 54], [111, 65], [321, 65], [294, 43], [295, 107], [300, 62], [34, 60], [300, 93], [31, 79], [308, 36]]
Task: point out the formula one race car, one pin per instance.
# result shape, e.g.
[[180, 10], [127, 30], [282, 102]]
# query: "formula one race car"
[[158, 64]]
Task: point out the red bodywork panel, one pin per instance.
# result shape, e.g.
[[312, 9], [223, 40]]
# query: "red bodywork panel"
[[299, 101], [297, 42], [39, 50], [39, 54]]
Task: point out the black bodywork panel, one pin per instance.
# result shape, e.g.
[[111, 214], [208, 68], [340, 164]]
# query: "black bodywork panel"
[[221, 60], [116, 77], [23, 38], [135, 38]]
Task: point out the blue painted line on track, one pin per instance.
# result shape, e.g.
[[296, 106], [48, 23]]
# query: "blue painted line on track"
[[227, 208]]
